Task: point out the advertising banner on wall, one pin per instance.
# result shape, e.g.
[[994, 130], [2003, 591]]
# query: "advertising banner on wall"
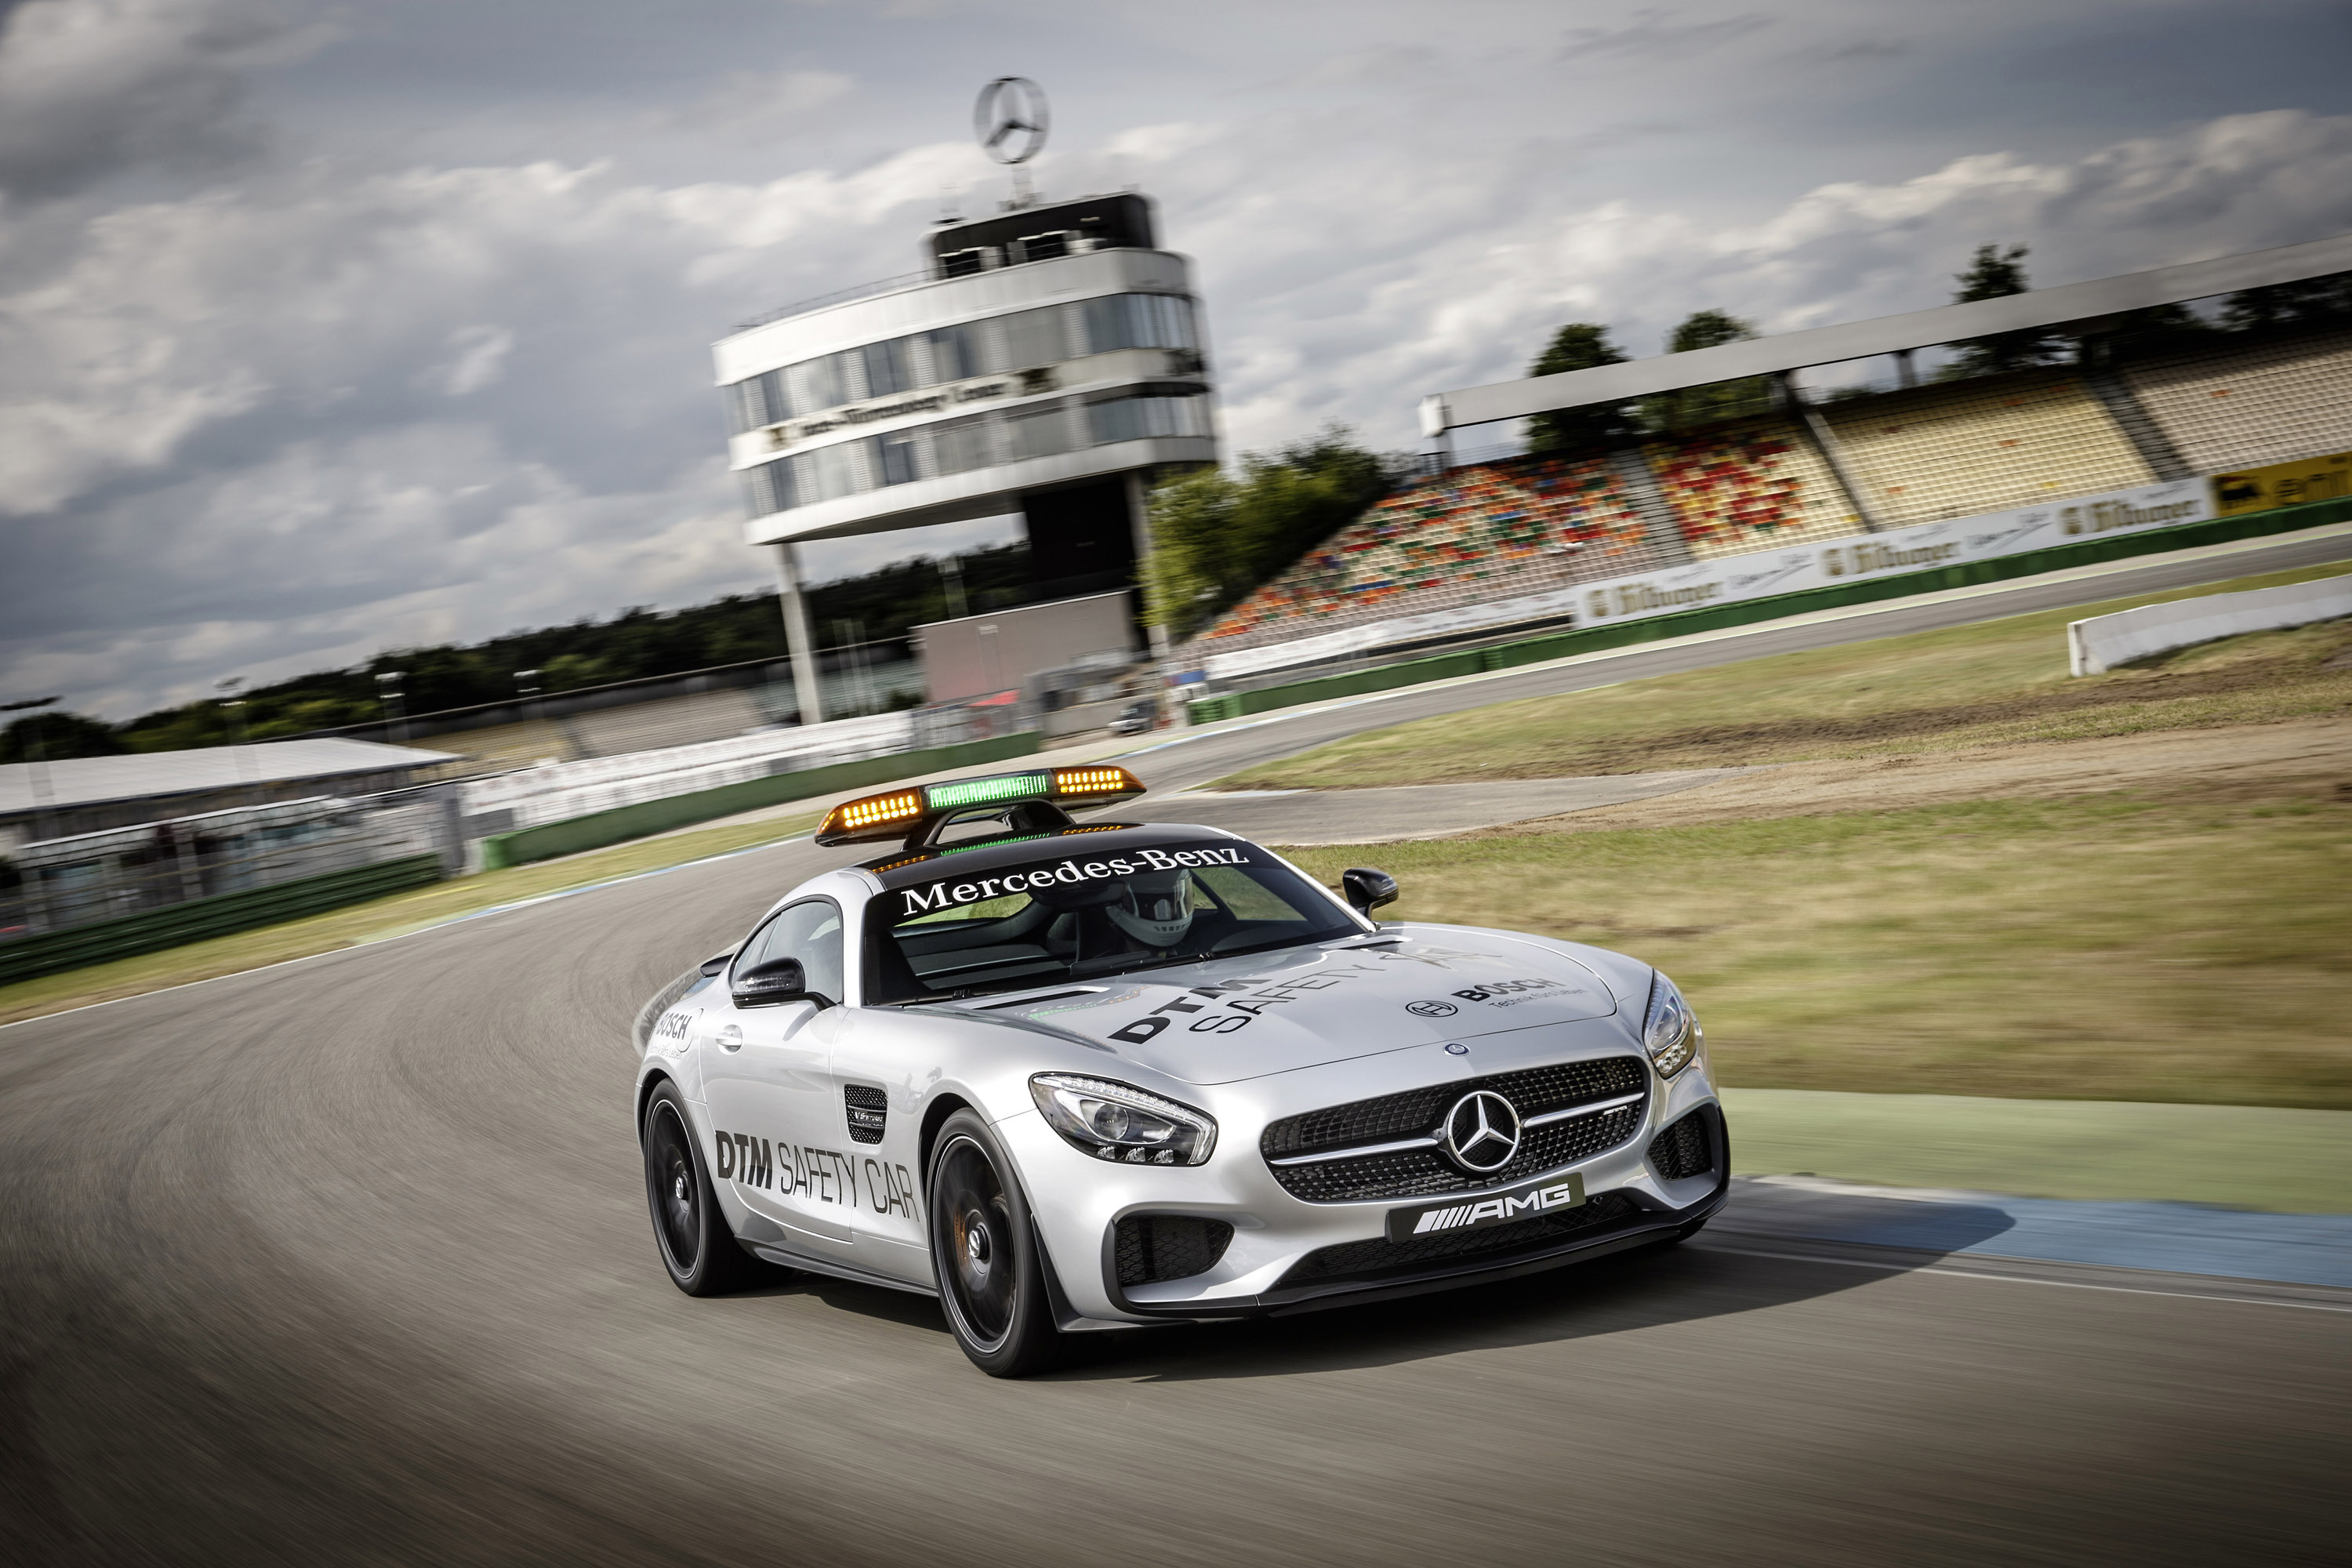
[[2283, 484], [1699, 584], [1918, 548]]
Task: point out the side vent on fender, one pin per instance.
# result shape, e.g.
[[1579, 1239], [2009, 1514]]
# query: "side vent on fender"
[[867, 1109]]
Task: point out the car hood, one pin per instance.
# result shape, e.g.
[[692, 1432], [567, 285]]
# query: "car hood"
[[1232, 1018]]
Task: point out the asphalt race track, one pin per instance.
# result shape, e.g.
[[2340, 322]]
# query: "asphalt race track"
[[347, 1261]]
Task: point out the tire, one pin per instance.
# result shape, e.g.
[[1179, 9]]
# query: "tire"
[[700, 1254], [984, 1253]]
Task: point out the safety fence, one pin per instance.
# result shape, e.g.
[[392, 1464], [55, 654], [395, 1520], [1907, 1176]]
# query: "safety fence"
[[55, 885], [127, 936], [596, 830], [553, 792]]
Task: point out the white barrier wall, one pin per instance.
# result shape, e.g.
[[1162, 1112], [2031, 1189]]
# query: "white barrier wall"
[[1753, 576], [560, 791], [2103, 642]]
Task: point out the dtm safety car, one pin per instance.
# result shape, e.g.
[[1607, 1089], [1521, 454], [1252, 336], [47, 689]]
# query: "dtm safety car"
[[1070, 1077]]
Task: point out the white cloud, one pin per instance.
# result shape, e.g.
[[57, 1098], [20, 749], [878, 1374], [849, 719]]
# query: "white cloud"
[[479, 356], [88, 88]]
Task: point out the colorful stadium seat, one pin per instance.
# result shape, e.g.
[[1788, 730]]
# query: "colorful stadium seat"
[[1519, 526], [1749, 484]]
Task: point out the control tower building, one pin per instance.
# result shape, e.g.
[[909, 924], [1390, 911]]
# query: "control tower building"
[[1047, 361]]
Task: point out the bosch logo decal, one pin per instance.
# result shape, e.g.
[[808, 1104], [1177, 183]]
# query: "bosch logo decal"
[[669, 1030], [1508, 992], [1431, 1009]]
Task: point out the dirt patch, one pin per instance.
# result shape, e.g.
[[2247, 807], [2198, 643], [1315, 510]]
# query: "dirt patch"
[[2309, 760]]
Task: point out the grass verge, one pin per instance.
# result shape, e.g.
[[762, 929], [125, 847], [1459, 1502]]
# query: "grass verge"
[[2104, 947], [1998, 682], [378, 919], [2253, 1157]]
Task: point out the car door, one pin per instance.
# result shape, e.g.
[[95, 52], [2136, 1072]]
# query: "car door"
[[877, 1097], [779, 1138]]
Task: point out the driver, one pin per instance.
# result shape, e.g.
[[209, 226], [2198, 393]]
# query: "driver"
[[1146, 912], [1155, 909]]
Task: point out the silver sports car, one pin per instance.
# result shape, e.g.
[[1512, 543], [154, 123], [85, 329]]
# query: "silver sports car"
[[1071, 1078]]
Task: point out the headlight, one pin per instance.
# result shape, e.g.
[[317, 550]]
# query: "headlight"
[[1117, 1122], [1670, 1032]]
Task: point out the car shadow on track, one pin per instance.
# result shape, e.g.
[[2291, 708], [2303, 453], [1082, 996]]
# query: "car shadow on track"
[[1623, 1293]]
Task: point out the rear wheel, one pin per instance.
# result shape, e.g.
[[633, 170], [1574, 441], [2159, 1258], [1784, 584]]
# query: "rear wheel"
[[698, 1249], [984, 1252]]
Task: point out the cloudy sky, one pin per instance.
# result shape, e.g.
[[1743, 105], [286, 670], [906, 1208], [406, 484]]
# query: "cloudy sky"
[[332, 327]]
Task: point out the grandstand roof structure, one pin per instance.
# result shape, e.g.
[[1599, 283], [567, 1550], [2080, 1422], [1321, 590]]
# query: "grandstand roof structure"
[[2070, 304], [68, 783]]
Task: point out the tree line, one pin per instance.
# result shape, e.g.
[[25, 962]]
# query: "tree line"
[[881, 606]]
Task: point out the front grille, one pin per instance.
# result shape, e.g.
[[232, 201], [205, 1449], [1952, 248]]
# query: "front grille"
[[1422, 1173], [867, 1109], [1150, 1247], [1685, 1150], [1381, 1258]]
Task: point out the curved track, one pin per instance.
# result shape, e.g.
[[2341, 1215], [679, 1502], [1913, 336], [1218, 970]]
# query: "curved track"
[[348, 1261]]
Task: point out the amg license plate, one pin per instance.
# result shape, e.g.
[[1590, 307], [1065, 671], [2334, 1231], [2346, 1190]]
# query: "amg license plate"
[[1523, 1202]]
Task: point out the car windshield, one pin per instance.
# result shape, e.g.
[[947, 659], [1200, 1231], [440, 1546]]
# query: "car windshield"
[[1073, 917]]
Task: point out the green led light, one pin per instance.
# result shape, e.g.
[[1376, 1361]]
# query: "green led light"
[[981, 792], [991, 842]]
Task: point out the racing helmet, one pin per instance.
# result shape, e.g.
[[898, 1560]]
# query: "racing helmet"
[[1155, 908]]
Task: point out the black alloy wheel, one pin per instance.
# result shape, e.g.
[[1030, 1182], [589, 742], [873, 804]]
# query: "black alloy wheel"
[[984, 1253], [698, 1249]]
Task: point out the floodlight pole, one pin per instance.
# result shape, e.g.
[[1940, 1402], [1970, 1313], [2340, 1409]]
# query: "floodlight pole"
[[395, 711], [234, 706], [37, 763]]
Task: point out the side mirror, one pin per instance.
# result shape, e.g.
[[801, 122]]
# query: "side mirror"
[[716, 962], [1367, 889], [766, 984]]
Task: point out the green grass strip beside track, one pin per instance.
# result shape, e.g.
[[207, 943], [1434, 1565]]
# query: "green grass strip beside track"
[[2238, 1156]]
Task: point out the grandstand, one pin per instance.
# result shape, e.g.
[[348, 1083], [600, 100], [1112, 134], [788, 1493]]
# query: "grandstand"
[[2241, 406], [1958, 448], [1492, 530], [1820, 469], [1749, 484]]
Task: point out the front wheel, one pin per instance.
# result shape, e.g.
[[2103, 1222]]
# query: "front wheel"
[[984, 1252]]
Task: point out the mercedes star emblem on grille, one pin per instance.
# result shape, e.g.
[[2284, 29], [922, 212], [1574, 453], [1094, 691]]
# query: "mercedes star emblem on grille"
[[1481, 1131]]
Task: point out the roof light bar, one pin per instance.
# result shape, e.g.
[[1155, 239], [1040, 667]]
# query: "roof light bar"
[[902, 813]]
